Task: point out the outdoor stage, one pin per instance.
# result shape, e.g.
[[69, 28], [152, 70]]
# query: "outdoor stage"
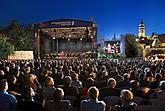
[[65, 35]]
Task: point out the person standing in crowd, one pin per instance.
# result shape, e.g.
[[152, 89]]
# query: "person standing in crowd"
[[92, 104], [8, 102]]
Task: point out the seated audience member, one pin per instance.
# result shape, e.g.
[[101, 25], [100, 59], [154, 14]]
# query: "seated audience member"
[[27, 102], [8, 102], [155, 84], [71, 93], [160, 94], [33, 82], [135, 89], [21, 78], [162, 72], [102, 83], [92, 104], [110, 94], [124, 83], [117, 76], [158, 97], [126, 103], [68, 89], [58, 103], [48, 90], [93, 73], [149, 77], [59, 78], [13, 87], [110, 90], [143, 82], [42, 77], [133, 75], [89, 83], [75, 81]]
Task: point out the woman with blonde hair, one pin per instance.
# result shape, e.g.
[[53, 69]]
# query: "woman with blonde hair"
[[92, 104], [48, 90], [126, 103]]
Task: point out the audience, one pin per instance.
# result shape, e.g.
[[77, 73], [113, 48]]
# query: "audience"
[[76, 76]]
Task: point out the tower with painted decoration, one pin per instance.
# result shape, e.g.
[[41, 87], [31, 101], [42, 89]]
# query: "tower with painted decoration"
[[141, 32]]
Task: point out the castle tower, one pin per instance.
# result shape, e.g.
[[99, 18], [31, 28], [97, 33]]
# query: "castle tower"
[[141, 32]]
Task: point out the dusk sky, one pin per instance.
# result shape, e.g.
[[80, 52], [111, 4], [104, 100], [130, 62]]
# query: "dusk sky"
[[111, 16]]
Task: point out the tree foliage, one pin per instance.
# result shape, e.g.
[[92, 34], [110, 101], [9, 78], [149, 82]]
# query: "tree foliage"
[[6, 47], [133, 48], [21, 36]]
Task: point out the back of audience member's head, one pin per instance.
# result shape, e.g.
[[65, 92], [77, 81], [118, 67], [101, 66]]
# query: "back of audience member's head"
[[93, 92], [134, 84], [58, 95], [68, 80], [142, 76], [132, 74], [126, 76], [49, 82], [45, 72], [139, 71], [103, 68], [149, 76], [104, 73], [3, 85], [90, 82], [162, 72], [126, 95], [147, 69], [75, 76], [111, 83], [158, 76], [61, 75], [162, 85], [31, 77]]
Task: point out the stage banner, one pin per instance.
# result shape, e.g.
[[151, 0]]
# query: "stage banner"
[[22, 55]]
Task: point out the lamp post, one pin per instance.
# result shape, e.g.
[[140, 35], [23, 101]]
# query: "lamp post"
[[38, 43], [53, 43], [57, 45]]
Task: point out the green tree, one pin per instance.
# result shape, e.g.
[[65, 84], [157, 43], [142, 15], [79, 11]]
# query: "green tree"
[[5, 46], [133, 48], [21, 36]]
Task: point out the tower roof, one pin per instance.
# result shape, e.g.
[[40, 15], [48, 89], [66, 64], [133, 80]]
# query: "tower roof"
[[141, 21]]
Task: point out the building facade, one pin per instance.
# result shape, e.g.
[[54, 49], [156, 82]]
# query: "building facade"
[[153, 46]]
